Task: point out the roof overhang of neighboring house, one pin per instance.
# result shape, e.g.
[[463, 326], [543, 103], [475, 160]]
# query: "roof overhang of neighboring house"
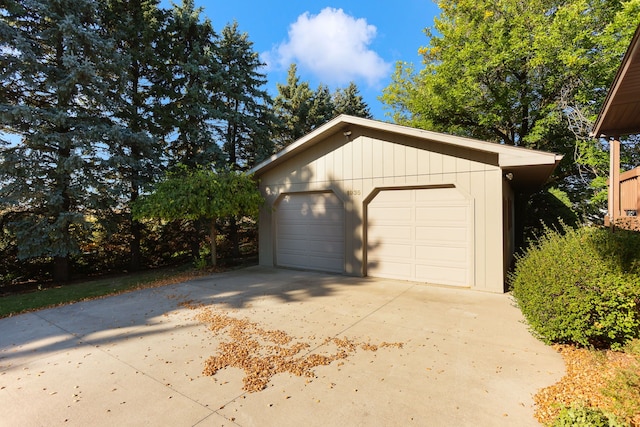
[[620, 114], [528, 169]]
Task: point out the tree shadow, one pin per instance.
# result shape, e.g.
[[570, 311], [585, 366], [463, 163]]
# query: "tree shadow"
[[143, 313]]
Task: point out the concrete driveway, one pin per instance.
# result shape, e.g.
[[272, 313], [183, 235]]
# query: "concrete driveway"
[[137, 358]]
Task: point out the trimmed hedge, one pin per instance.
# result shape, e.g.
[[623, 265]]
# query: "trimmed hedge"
[[581, 286]]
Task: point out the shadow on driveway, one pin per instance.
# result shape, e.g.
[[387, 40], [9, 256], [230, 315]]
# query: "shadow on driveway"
[[137, 358]]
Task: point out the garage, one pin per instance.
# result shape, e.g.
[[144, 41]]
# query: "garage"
[[368, 198], [422, 235], [310, 232]]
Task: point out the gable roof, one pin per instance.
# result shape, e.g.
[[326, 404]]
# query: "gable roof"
[[620, 114], [534, 167]]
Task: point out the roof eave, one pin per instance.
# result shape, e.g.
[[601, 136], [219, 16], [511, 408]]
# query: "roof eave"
[[599, 129]]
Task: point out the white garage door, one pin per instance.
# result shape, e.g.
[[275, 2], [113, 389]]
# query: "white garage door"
[[310, 232], [420, 234]]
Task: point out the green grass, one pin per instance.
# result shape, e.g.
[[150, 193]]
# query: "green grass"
[[66, 294]]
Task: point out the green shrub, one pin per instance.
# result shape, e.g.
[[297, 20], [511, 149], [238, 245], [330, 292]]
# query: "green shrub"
[[581, 416], [581, 287]]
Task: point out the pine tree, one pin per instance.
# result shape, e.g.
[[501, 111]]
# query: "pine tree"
[[292, 107], [349, 101], [55, 70], [244, 125], [134, 145], [322, 108], [245, 122], [188, 86]]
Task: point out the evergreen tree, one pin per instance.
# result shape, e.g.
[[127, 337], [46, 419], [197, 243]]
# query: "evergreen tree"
[[292, 107], [244, 123], [54, 72], [322, 109], [134, 145], [187, 86], [349, 101], [299, 110]]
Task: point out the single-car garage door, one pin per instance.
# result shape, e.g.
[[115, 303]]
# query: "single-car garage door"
[[420, 234], [310, 232]]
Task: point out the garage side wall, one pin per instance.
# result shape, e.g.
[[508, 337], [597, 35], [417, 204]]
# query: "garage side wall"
[[354, 169]]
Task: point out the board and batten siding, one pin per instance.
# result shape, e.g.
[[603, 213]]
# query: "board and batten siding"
[[354, 169]]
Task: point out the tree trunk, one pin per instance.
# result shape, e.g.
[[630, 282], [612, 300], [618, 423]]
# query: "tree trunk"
[[61, 269], [194, 238], [233, 235], [135, 263], [214, 254]]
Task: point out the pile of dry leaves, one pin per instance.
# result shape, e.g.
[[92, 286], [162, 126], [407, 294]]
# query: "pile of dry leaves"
[[262, 353], [608, 380]]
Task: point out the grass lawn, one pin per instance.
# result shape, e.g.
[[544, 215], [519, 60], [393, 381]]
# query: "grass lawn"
[[66, 294]]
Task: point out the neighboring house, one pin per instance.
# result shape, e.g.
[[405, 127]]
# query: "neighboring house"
[[620, 116], [368, 198]]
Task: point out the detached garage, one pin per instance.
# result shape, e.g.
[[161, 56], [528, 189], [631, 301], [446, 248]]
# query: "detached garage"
[[368, 198]]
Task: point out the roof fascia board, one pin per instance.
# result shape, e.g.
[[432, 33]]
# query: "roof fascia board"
[[508, 155]]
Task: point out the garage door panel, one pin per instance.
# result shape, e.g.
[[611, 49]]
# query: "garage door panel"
[[431, 241], [387, 250], [297, 260], [441, 213], [435, 254], [400, 231], [312, 246], [310, 232], [392, 197], [444, 275], [442, 234], [391, 214], [394, 270]]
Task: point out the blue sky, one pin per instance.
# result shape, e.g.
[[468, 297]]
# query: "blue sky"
[[332, 43]]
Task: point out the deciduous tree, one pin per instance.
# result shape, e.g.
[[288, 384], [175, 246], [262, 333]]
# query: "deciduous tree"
[[510, 71], [201, 195]]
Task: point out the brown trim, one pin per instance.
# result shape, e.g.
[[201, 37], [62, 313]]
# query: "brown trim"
[[626, 68]]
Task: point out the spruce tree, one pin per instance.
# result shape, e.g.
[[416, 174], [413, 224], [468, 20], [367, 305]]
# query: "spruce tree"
[[55, 67], [245, 122], [292, 107], [187, 86], [322, 108], [349, 101], [135, 144]]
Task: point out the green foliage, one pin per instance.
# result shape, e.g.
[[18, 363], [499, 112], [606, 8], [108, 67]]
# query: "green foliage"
[[521, 73], [201, 195], [244, 127], [583, 416], [349, 101], [624, 391], [298, 110], [56, 70], [548, 208], [581, 287], [187, 84]]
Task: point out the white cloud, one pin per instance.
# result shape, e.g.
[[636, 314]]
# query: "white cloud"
[[332, 45]]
